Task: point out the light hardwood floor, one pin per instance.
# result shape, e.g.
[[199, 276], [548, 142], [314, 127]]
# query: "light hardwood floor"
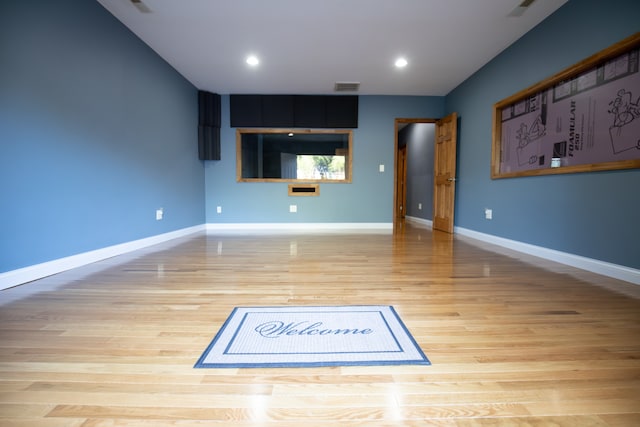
[[512, 341]]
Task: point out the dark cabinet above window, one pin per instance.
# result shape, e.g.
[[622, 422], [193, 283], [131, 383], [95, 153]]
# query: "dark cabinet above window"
[[307, 111]]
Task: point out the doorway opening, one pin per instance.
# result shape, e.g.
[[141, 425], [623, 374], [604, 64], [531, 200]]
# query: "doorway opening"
[[424, 171], [413, 163]]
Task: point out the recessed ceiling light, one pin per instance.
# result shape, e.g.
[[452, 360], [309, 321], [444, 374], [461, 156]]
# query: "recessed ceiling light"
[[401, 63], [253, 60]]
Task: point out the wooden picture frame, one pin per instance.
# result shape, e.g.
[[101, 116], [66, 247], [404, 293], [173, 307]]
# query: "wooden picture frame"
[[583, 119]]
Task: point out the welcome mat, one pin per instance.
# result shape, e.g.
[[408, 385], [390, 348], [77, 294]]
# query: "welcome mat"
[[259, 337]]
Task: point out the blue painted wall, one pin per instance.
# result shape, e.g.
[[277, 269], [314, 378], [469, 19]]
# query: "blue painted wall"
[[420, 140], [589, 214], [368, 199], [96, 133]]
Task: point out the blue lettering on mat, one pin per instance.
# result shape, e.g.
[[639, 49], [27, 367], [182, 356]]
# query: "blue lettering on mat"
[[277, 328]]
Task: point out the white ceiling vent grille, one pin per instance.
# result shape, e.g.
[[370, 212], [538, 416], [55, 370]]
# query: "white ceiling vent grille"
[[346, 86]]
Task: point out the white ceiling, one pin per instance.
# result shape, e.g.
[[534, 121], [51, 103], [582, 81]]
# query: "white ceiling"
[[305, 46]]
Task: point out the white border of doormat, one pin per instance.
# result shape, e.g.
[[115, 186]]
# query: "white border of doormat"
[[307, 336]]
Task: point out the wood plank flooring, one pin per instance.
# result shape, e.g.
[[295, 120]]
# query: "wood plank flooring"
[[513, 341]]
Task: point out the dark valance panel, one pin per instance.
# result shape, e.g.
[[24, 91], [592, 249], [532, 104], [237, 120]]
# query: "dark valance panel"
[[208, 143], [285, 111], [208, 109], [208, 125]]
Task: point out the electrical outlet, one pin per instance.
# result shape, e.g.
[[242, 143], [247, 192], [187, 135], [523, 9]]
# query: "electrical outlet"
[[219, 209], [419, 206], [293, 208], [159, 214], [488, 214], [381, 168]]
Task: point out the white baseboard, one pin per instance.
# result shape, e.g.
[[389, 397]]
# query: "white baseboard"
[[38, 271], [306, 227], [421, 222], [589, 264]]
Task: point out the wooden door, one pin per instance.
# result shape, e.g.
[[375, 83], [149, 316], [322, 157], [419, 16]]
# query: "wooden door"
[[445, 173], [401, 190]]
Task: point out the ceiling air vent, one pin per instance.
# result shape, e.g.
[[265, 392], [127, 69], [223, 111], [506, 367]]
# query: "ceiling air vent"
[[141, 6], [346, 86], [521, 8]]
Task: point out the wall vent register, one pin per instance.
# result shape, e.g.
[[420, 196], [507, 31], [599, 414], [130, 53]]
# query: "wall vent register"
[[304, 189]]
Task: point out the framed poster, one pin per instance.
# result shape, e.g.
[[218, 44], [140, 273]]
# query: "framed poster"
[[585, 118]]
